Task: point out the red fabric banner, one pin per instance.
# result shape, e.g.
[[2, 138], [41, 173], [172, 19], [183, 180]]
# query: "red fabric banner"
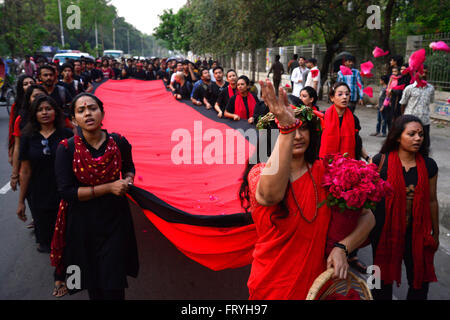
[[161, 130]]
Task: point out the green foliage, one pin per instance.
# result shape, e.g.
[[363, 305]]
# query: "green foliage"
[[26, 25]]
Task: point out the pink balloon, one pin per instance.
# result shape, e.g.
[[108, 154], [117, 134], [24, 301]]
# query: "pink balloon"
[[440, 46], [417, 59], [346, 71], [368, 91], [366, 68], [378, 52]]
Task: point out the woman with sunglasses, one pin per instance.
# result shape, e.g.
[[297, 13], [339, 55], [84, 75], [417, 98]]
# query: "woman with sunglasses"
[[38, 144]]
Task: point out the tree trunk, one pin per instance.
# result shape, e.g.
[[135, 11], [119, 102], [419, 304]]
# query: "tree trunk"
[[253, 64], [326, 62]]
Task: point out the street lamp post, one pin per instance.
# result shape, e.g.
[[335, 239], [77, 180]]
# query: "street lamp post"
[[114, 34], [128, 36], [61, 22]]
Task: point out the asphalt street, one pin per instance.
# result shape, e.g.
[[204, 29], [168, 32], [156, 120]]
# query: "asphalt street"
[[165, 273]]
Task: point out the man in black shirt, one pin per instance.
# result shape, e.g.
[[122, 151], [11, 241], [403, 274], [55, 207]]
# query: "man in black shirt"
[[128, 70], [91, 74], [72, 85], [205, 93], [224, 97], [219, 86], [60, 94], [139, 73], [183, 88], [189, 73], [78, 75]]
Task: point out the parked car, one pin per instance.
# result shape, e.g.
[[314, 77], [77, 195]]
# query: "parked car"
[[62, 57]]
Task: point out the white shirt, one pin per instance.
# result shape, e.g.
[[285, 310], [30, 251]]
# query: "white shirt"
[[418, 101], [310, 80], [211, 72], [297, 75]]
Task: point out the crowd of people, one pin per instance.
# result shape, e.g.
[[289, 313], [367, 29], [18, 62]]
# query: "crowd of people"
[[81, 215]]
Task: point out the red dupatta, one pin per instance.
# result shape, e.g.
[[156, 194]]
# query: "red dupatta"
[[337, 139], [391, 247], [241, 110], [230, 91], [88, 171]]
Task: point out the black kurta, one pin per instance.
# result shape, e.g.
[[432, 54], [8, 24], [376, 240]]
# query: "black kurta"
[[100, 236], [42, 195]]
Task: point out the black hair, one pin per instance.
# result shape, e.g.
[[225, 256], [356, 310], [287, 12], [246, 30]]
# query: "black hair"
[[33, 124], [311, 155], [302, 57], [24, 108], [349, 57], [48, 67], [67, 65], [313, 61], [231, 70], [85, 94], [245, 78], [385, 79], [277, 57], [295, 56], [391, 143], [337, 85], [20, 93], [218, 67], [312, 93], [398, 59]]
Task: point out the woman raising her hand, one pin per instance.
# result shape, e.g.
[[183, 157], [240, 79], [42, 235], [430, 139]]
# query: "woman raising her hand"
[[283, 197]]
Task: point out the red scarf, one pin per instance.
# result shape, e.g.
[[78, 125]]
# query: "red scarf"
[[230, 91], [391, 247], [11, 125], [239, 106], [337, 139], [88, 171]]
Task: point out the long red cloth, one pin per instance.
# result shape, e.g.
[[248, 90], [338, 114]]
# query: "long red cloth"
[[158, 126], [391, 248], [290, 252], [337, 139]]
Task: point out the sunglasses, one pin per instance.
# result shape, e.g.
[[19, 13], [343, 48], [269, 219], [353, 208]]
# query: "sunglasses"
[[46, 149]]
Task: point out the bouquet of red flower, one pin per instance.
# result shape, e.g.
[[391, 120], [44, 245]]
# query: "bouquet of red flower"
[[352, 186]]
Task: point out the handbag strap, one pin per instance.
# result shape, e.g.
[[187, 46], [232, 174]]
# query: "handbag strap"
[[380, 166]]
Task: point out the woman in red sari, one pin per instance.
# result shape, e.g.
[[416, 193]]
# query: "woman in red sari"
[[283, 197]]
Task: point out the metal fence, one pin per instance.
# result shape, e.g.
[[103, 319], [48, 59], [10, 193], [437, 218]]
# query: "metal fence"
[[438, 62]]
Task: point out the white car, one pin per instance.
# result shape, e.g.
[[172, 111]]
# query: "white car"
[[62, 57], [116, 54]]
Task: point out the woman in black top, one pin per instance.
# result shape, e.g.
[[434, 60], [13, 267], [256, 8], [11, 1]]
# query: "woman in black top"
[[41, 136], [231, 112], [410, 218], [99, 233]]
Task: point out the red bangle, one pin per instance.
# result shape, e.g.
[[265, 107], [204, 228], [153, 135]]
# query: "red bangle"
[[289, 128]]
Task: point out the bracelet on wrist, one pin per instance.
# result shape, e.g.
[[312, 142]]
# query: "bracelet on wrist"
[[341, 246], [289, 128]]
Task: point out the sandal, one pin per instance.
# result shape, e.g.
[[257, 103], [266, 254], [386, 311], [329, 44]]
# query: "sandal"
[[60, 290], [356, 264]]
